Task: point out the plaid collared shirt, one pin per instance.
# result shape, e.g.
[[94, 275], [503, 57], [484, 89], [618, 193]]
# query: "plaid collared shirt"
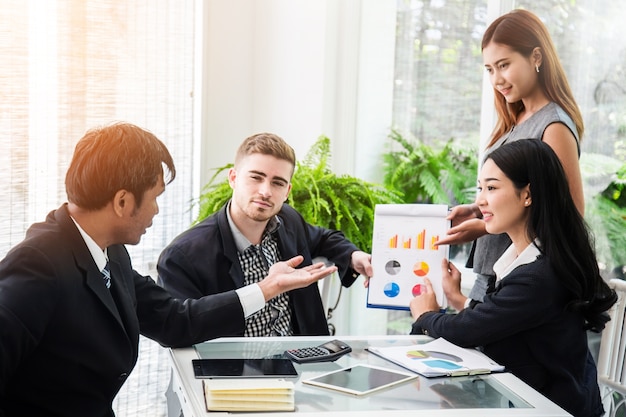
[[275, 318]]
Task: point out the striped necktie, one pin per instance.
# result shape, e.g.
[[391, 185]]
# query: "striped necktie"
[[106, 275]]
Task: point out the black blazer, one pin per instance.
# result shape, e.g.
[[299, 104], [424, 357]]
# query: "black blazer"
[[203, 260], [67, 344], [525, 325]]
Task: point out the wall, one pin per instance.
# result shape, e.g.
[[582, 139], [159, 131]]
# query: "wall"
[[296, 68], [300, 69]]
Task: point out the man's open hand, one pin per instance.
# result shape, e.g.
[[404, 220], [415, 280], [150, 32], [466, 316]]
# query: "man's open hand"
[[283, 276]]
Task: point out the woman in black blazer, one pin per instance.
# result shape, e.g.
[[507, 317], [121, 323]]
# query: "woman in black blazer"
[[549, 291]]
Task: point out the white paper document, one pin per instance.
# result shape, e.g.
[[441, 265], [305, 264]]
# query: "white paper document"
[[438, 358], [404, 253]]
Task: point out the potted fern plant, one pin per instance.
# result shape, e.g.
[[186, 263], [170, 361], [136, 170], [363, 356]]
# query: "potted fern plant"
[[323, 198], [441, 174], [606, 215]]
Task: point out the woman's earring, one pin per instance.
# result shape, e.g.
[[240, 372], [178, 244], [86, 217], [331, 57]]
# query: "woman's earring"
[[537, 68]]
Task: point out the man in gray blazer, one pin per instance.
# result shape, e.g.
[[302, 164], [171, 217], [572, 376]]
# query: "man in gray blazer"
[[69, 332]]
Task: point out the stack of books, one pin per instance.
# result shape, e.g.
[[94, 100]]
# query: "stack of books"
[[249, 394]]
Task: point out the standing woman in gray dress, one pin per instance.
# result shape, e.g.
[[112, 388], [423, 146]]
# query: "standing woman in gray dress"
[[533, 100]]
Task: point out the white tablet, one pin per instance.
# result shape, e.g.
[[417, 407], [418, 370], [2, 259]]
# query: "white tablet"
[[360, 379]]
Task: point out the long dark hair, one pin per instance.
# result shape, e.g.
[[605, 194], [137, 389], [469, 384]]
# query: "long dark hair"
[[555, 221]]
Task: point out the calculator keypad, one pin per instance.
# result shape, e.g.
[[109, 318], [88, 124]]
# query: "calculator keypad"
[[309, 352], [325, 352]]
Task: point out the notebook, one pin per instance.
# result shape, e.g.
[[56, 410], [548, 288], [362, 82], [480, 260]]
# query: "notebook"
[[248, 394]]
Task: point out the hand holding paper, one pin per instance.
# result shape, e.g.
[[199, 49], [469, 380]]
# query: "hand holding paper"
[[451, 282], [426, 301]]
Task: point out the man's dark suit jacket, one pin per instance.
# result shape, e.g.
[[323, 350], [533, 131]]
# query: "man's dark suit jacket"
[[67, 343], [203, 260], [526, 326]]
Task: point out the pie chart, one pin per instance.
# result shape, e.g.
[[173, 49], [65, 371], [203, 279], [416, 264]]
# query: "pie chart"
[[417, 290], [392, 267], [421, 269], [417, 354], [391, 289]]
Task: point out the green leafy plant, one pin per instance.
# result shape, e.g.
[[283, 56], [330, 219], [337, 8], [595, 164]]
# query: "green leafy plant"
[[610, 207], [616, 191], [340, 202], [605, 207], [613, 220], [426, 174]]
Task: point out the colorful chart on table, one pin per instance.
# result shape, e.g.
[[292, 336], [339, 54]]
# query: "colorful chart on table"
[[417, 354], [438, 363]]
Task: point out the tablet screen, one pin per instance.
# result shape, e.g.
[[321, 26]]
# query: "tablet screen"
[[360, 379], [244, 368]]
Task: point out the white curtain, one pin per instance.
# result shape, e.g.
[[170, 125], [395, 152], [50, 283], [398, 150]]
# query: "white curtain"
[[69, 65]]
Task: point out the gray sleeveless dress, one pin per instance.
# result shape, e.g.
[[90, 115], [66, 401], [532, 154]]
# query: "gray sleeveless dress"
[[489, 248]]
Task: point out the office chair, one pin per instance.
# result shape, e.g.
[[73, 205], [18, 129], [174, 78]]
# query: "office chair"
[[611, 365], [330, 292]]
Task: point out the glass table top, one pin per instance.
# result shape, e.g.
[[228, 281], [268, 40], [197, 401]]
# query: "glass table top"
[[468, 392]]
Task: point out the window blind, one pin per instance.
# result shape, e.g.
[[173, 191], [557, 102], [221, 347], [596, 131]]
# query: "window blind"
[[70, 65]]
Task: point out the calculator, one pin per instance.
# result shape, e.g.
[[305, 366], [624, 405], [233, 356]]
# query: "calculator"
[[326, 352]]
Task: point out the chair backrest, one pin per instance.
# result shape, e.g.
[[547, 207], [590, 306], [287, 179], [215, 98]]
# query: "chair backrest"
[[330, 292], [611, 369]]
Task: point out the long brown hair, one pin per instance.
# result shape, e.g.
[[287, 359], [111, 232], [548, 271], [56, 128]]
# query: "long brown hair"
[[522, 31]]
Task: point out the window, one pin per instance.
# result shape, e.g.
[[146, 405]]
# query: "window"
[[69, 65], [438, 85], [588, 39], [438, 69], [438, 89]]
